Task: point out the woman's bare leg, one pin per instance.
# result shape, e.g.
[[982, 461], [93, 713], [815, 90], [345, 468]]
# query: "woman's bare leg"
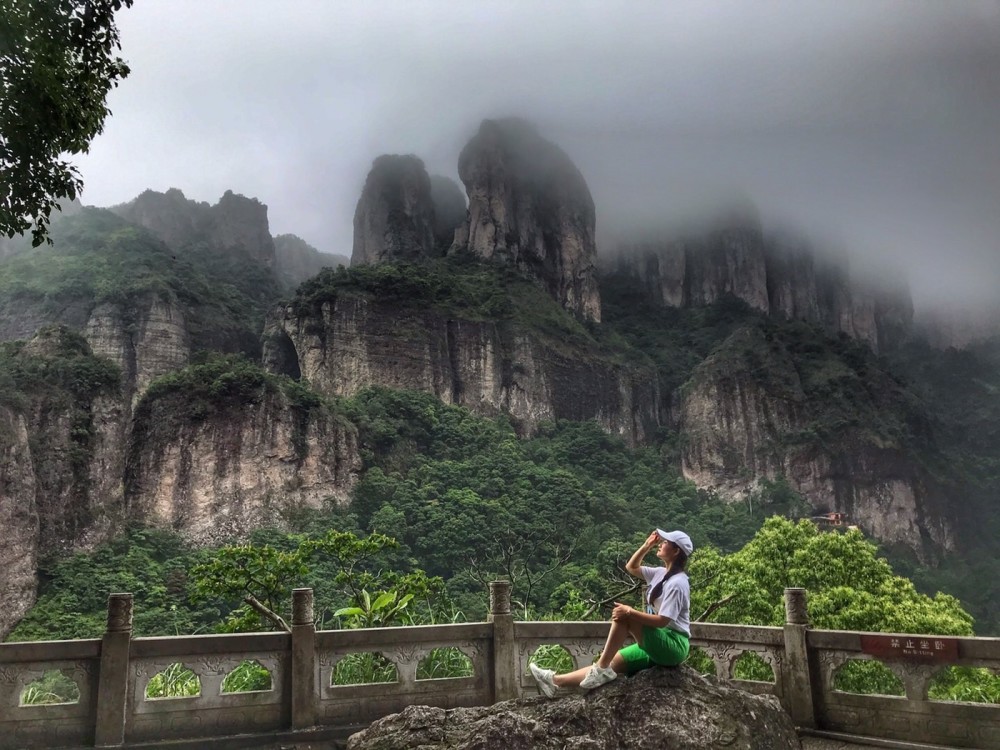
[[617, 635], [574, 678]]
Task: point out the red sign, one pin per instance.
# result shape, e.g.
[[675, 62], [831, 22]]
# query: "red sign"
[[923, 648]]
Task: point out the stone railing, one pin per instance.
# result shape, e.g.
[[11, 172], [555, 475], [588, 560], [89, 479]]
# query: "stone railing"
[[304, 703]]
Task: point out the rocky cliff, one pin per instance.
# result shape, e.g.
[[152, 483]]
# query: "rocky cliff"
[[394, 218], [136, 300], [18, 518], [146, 339], [218, 474], [529, 206], [352, 341], [77, 464], [778, 275], [236, 224], [841, 432], [61, 434]]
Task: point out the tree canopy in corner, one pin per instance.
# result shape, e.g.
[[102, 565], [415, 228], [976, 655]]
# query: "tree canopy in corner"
[[58, 62]]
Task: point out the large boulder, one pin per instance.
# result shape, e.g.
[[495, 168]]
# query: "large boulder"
[[530, 206], [660, 707], [394, 219]]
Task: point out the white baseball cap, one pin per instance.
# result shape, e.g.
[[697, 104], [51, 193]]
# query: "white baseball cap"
[[679, 538]]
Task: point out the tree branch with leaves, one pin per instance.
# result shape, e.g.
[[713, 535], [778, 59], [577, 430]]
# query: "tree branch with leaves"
[[58, 63]]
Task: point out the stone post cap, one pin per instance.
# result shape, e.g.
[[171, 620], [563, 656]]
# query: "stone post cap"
[[119, 613], [499, 597], [796, 611], [302, 606]]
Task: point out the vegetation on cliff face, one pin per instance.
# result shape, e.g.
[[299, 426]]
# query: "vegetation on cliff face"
[[437, 478], [217, 385], [960, 391], [463, 498], [457, 492], [58, 359], [98, 257], [461, 286], [58, 372]]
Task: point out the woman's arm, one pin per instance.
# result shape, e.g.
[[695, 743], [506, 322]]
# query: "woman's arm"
[[635, 562]]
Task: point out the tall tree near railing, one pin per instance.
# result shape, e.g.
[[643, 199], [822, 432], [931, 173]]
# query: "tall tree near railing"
[[850, 588], [515, 555], [57, 66]]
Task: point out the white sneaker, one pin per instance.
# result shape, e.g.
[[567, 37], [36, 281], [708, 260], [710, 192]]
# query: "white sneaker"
[[597, 676], [544, 679]]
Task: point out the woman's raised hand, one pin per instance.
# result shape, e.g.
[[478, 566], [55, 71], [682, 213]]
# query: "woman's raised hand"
[[620, 612], [653, 540]]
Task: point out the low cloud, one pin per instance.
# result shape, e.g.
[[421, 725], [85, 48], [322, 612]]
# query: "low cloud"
[[869, 124]]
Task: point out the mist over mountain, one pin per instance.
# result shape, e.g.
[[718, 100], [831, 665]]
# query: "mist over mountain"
[[208, 376], [868, 125]]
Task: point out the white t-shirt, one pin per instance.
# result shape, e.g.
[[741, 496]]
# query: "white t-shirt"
[[674, 601]]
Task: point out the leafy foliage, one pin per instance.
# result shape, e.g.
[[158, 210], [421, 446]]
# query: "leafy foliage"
[[219, 382], [51, 688], [362, 668], [557, 514], [57, 66], [257, 580], [462, 287], [248, 677], [967, 684], [176, 681], [154, 565], [61, 361], [99, 258], [850, 587]]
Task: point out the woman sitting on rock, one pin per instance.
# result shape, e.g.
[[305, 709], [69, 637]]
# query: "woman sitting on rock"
[[661, 633]]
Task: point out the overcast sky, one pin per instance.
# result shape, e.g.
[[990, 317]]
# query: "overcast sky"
[[871, 125]]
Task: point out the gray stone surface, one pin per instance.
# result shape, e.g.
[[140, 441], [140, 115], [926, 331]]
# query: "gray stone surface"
[[530, 206], [673, 708], [819, 743], [394, 219]]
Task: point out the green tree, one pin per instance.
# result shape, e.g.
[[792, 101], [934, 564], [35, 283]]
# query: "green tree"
[[258, 579], [850, 588], [57, 65]]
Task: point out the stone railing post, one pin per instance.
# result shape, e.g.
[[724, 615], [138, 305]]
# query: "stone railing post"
[[303, 677], [798, 683], [505, 677], [112, 685]]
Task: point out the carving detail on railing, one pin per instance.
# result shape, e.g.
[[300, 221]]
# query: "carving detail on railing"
[[916, 678], [302, 607], [583, 652], [500, 598], [796, 611], [120, 613], [215, 713]]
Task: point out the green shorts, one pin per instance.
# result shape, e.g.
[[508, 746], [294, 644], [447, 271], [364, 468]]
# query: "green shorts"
[[665, 647]]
